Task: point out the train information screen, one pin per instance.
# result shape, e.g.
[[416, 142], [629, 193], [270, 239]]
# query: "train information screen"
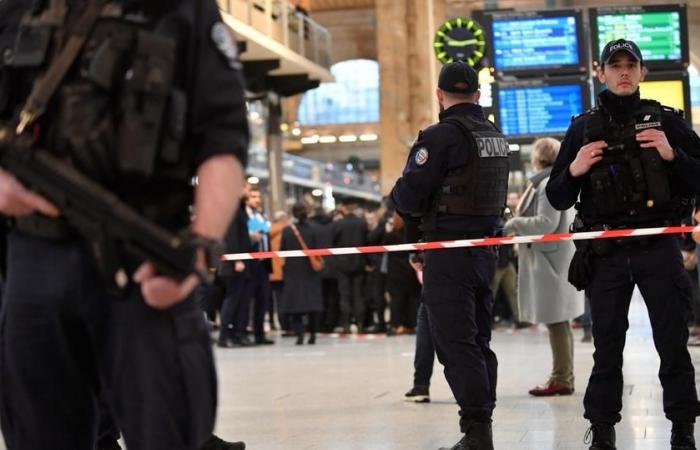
[[539, 110], [669, 92], [537, 42], [657, 33]]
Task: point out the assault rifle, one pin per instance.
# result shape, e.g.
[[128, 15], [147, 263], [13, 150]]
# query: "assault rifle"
[[99, 215]]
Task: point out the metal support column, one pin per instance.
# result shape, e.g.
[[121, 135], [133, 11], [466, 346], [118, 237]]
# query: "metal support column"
[[274, 153]]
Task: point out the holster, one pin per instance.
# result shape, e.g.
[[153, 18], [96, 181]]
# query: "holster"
[[580, 270]]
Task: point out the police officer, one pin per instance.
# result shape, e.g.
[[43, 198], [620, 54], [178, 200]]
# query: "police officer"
[[634, 163], [153, 97], [455, 182]]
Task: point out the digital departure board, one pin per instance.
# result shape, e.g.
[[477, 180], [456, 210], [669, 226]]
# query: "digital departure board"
[[660, 31], [539, 109], [534, 42]]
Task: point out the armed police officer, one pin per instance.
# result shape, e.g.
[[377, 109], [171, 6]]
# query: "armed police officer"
[[632, 163], [455, 183], [119, 104]]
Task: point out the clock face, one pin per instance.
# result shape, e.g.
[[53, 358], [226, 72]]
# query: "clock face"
[[460, 39]]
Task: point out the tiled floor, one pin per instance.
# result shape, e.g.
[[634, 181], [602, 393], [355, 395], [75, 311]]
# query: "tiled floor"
[[347, 394]]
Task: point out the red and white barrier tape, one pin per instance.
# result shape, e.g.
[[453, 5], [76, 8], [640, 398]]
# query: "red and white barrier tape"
[[534, 239]]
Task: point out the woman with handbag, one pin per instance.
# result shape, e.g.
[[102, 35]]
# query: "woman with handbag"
[[301, 295]]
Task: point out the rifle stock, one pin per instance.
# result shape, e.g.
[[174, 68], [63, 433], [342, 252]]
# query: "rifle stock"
[[95, 212]]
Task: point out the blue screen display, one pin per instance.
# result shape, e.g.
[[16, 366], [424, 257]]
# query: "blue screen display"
[[531, 43], [538, 110]]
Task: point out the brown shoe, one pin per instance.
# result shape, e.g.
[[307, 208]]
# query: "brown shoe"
[[551, 388]]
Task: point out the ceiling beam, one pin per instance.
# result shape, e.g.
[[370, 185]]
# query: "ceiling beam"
[[330, 5]]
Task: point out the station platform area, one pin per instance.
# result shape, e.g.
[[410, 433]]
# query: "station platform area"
[[347, 394]]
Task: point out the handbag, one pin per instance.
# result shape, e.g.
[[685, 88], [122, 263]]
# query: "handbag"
[[317, 262]]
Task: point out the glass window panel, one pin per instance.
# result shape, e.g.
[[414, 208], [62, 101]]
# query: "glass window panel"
[[352, 98]]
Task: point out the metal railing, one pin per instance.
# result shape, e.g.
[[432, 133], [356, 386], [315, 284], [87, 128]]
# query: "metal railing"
[[317, 174], [281, 21]]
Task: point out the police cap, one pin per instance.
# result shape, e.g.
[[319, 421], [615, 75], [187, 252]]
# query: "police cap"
[[613, 47], [459, 78]]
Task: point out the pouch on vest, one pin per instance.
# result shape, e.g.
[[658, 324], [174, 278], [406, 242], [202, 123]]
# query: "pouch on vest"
[[148, 86]]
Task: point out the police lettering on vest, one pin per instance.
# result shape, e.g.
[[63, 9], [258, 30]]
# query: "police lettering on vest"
[[480, 187], [491, 147]]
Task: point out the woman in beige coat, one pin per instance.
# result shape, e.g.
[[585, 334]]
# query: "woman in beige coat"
[[544, 294]]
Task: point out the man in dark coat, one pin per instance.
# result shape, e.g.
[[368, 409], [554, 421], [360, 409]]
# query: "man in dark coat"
[[234, 276], [350, 231]]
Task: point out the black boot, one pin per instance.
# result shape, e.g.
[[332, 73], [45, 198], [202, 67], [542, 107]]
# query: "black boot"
[[216, 443], [601, 436], [682, 436], [477, 436]]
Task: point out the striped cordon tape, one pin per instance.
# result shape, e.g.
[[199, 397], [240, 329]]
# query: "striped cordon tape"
[[505, 240]]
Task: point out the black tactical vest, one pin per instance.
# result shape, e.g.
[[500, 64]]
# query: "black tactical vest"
[[480, 187], [630, 185], [117, 116], [117, 113]]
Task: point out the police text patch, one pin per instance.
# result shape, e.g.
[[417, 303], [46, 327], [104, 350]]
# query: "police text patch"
[[491, 147], [421, 156], [221, 35], [644, 126]]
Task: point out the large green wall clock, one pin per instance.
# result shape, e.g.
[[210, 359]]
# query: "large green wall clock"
[[460, 39]]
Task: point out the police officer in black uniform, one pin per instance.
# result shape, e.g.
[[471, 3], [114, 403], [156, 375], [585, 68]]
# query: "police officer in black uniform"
[[154, 97], [635, 164], [455, 183]]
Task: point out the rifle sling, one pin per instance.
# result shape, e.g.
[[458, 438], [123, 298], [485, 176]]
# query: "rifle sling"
[[45, 88]]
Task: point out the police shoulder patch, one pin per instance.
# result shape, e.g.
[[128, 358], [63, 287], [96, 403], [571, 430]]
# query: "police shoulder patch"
[[421, 156], [578, 116], [223, 39]]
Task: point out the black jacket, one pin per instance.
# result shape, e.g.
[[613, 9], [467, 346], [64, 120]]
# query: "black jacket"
[[350, 231], [400, 275], [324, 230], [236, 240], [444, 147]]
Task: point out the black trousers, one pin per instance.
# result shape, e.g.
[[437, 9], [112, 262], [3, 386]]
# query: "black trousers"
[[404, 305], [64, 341], [424, 358], [233, 322], [331, 304], [352, 299], [457, 294], [258, 291], [375, 283], [656, 267]]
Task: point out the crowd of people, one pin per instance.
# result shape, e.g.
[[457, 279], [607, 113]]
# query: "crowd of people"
[[340, 294]]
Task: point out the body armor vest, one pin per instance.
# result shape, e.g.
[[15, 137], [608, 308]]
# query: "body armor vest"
[[630, 185], [116, 115], [480, 187]]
